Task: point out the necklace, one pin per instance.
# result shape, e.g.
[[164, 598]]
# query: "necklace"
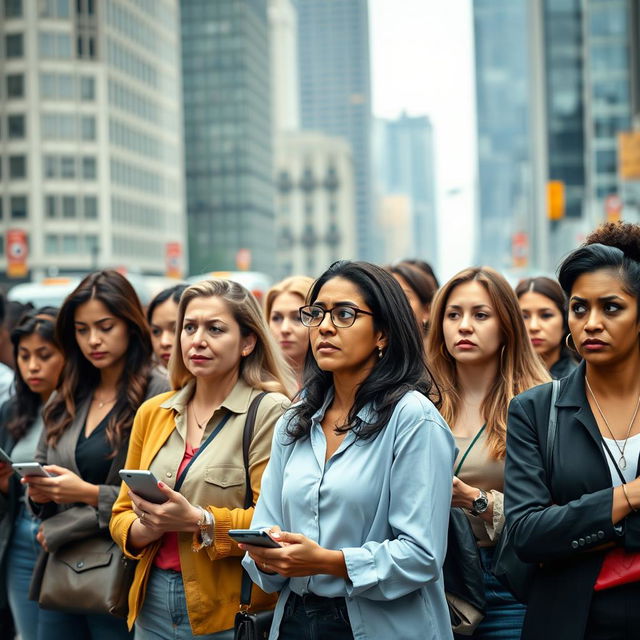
[[622, 461], [195, 417], [101, 403]]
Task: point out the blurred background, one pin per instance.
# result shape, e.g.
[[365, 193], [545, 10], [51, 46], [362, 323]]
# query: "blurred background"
[[173, 138]]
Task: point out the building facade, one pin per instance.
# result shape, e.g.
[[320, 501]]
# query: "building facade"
[[407, 167], [91, 133], [228, 133], [315, 203], [335, 92]]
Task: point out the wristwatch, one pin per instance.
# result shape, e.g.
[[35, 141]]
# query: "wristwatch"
[[480, 504]]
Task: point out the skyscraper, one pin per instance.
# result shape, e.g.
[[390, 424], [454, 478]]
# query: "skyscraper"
[[228, 134], [91, 133], [407, 161], [335, 90]]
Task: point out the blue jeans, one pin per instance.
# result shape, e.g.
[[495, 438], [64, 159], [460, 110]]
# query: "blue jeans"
[[504, 615], [164, 612], [315, 619], [22, 553]]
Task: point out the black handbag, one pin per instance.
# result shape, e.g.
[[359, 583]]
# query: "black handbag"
[[514, 574], [250, 625], [463, 577]]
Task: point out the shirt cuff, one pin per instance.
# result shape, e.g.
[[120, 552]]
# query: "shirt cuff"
[[361, 569], [495, 527]]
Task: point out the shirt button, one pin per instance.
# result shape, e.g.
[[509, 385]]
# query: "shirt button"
[[588, 539], [169, 474], [581, 542], [600, 534], [574, 544]]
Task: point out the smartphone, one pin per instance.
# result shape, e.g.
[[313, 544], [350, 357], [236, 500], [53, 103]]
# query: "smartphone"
[[4, 457], [256, 537], [31, 469], [144, 484]]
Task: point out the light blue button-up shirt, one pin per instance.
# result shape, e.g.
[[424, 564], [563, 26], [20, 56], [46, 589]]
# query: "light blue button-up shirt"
[[384, 503]]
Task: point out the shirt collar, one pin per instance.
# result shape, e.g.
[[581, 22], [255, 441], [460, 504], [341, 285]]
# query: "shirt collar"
[[367, 414], [237, 401]]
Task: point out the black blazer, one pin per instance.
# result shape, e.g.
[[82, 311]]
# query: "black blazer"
[[560, 517]]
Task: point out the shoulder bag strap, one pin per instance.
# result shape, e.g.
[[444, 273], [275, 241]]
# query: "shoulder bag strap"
[[466, 453], [553, 425], [247, 436], [201, 448]]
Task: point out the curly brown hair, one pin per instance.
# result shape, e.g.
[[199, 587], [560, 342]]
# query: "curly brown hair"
[[622, 235]]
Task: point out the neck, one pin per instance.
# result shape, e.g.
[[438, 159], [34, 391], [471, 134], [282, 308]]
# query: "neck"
[[617, 380], [551, 357], [475, 380], [211, 392], [44, 396], [345, 387], [110, 377]]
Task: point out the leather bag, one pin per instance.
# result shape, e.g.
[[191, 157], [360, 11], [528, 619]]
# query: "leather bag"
[[514, 574], [249, 625], [463, 577], [89, 576]]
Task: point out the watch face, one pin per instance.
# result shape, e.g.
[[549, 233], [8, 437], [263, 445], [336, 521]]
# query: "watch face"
[[480, 504]]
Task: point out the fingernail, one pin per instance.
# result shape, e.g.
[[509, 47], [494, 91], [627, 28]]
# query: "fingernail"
[[160, 484], [275, 534]]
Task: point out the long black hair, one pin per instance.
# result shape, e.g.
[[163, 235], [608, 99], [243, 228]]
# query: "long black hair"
[[402, 367], [27, 403], [610, 246], [172, 293], [80, 378]]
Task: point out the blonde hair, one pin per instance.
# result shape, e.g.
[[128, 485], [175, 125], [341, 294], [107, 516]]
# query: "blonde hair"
[[300, 285], [519, 369], [264, 368]]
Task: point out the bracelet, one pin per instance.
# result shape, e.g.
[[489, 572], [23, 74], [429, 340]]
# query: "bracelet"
[[626, 495], [205, 536]]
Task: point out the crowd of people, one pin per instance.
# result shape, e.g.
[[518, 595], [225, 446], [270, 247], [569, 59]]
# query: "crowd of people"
[[414, 460]]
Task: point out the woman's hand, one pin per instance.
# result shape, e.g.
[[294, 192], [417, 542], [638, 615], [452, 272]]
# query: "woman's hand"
[[40, 537], [176, 514], [463, 494], [6, 471], [298, 556], [63, 488]]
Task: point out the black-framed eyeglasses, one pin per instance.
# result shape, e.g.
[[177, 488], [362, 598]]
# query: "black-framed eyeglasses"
[[342, 316]]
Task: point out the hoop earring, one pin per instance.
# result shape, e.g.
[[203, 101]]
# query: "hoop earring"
[[566, 341]]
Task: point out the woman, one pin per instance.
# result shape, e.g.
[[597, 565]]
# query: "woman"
[[39, 362], [281, 309], [481, 357], [567, 517], [223, 359], [418, 288], [359, 475], [106, 376], [544, 309], [161, 316]]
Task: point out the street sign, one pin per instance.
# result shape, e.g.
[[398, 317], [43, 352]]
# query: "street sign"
[[17, 250], [520, 249], [629, 155], [173, 260], [613, 207], [243, 259], [555, 199]]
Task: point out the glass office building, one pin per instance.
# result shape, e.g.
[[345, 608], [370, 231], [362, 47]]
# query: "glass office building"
[[227, 123]]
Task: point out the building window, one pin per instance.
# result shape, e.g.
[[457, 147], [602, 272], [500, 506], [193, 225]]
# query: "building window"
[[50, 166], [89, 171], [88, 128], [87, 88], [69, 244], [67, 167], [50, 206], [16, 126], [54, 45], [90, 207], [12, 8], [18, 205], [17, 167], [51, 244], [15, 85], [13, 45], [68, 207], [54, 9]]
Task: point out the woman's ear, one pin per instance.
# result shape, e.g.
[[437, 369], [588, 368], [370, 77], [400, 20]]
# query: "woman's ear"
[[249, 344]]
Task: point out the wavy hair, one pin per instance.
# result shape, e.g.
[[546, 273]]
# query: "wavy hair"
[[265, 367], [28, 403], [519, 369], [80, 378], [299, 285], [402, 367]]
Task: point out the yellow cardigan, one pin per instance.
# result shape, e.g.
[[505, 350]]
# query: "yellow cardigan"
[[212, 577]]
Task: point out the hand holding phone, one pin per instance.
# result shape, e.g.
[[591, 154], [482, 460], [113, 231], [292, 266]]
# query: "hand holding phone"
[[26, 469], [143, 483]]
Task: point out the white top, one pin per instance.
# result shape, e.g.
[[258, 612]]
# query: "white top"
[[631, 455]]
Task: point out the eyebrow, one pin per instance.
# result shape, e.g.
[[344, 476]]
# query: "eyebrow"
[[342, 303], [96, 322], [600, 299], [475, 306], [209, 320]]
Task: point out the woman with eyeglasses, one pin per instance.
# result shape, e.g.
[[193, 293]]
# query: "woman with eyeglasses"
[[358, 487]]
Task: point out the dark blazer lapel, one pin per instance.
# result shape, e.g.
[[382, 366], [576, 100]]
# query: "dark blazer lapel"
[[69, 440]]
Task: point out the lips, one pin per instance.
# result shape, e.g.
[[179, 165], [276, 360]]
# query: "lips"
[[593, 344], [98, 355], [465, 343], [165, 356], [536, 342], [199, 358], [326, 347], [34, 381]]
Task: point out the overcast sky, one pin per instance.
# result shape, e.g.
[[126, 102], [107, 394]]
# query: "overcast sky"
[[422, 62]]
